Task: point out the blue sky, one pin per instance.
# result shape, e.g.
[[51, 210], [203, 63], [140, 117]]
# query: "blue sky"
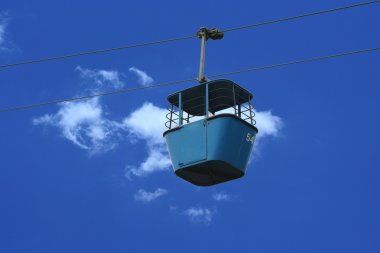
[[94, 176]]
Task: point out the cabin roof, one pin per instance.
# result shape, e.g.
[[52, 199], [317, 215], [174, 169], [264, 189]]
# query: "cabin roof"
[[223, 94]]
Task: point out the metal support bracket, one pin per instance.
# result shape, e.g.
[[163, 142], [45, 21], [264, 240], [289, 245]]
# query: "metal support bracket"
[[204, 34]]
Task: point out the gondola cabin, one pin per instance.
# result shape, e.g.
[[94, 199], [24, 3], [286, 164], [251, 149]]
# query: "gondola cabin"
[[210, 132]]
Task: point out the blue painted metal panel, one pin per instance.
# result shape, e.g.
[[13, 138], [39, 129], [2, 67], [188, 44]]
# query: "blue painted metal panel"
[[188, 144], [227, 140], [223, 138]]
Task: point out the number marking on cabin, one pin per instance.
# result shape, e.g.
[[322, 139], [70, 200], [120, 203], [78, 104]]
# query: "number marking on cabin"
[[250, 138]]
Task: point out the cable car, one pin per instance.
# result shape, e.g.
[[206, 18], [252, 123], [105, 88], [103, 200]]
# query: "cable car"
[[210, 132], [211, 129]]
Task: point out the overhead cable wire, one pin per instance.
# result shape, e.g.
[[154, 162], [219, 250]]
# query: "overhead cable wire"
[[300, 16], [279, 65], [320, 58], [99, 51], [129, 46]]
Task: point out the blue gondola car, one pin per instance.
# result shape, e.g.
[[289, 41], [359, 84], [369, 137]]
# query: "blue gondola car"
[[210, 132]]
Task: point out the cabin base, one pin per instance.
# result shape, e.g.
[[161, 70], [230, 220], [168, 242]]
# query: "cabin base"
[[209, 173]]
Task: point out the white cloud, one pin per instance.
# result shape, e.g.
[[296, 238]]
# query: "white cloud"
[[145, 196], [3, 26], [101, 77], [83, 123], [268, 124], [221, 196], [143, 78], [2, 33], [147, 123], [198, 214], [157, 160]]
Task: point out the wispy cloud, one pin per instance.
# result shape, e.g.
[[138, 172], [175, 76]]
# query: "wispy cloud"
[[145, 196], [101, 77], [157, 160], [3, 34], [147, 124], [268, 124], [84, 123], [143, 78], [199, 214], [222, 196]]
